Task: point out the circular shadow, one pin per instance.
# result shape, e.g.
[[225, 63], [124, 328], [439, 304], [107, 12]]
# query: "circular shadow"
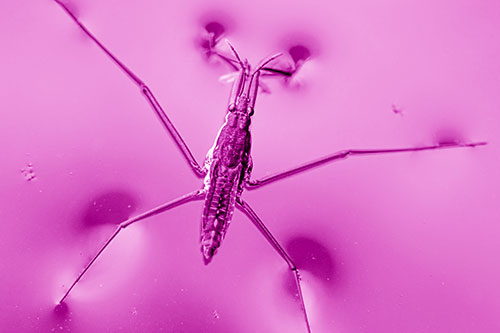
[[59, 319], [299, 53], [112, 207], [215, 28], [312, 256], [61, 311]]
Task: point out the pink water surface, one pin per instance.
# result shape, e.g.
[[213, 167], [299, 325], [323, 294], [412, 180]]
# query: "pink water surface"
[[400, 243]]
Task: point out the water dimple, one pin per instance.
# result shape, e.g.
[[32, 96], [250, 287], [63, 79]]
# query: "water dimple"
[[299, 53], [213, 32], [215, 28], [111, 207]]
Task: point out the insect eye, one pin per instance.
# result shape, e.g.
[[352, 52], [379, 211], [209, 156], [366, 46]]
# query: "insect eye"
[[231, 107], [250, 111]]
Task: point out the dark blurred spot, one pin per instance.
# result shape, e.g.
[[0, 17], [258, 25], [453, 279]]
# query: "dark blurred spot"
[[213, 31], [214, 24], [311, 256], [112, 207], [58, 320], [448, 136], [215, 28], [61, 311], [299, 53], [396, 110]]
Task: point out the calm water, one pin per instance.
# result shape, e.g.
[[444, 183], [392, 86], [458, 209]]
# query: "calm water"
[[402, 243]]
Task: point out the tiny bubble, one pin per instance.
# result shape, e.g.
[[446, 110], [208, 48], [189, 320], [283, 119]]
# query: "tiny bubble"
[[129, 206], [100, 285], [216, 315]]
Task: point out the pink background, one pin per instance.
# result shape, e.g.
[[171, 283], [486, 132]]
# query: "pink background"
[[401, 243]]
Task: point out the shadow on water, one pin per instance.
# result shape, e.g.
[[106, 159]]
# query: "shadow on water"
[[448, 135], [58, 320], [299, 53], [111, 207], [311, 256]]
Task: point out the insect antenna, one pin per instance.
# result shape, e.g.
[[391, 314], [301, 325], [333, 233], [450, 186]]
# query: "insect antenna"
[[266, 61], [235, 53]]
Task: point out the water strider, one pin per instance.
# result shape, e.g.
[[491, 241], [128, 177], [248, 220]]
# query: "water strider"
[[228, 165]]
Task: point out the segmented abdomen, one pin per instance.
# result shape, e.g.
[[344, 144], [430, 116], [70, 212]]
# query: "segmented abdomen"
[[219, 208]]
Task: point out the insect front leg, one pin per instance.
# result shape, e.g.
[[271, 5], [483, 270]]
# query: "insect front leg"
[[245, 208], [146, 91], [343, 154], [196, 195]]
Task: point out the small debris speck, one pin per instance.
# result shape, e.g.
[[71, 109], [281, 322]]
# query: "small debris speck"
[[396, 110], [28, 172]]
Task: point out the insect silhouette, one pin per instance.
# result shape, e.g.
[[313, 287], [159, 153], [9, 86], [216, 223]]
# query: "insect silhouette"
[[228, 165]]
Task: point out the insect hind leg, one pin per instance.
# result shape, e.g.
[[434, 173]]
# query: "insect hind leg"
[[249, 212], [196, 195]]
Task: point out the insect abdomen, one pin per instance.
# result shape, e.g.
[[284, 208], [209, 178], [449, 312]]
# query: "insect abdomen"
[[218, 210]]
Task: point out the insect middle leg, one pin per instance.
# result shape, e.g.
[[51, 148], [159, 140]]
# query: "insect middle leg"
[[245, 208], [343, 154], [162, 116], [196, 195]]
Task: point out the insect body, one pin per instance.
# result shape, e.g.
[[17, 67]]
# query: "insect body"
[[228, 162], [228, 165]]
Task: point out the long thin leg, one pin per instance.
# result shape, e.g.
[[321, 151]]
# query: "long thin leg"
[[343, 154], [245, 208], [162, 116], [155, 211]]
